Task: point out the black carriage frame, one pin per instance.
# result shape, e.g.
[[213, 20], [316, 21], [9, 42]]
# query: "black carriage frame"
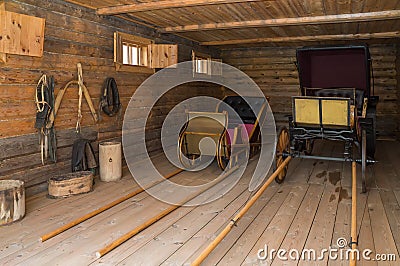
[[337, 68]]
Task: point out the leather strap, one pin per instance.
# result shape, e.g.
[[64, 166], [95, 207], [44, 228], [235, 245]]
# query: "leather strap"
[[44, 100], [110, 102]]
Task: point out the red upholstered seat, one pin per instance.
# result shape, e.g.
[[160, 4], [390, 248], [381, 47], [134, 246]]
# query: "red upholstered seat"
[[245, 133]]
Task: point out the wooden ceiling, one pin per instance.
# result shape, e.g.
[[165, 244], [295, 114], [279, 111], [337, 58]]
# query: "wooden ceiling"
[[267, 22]]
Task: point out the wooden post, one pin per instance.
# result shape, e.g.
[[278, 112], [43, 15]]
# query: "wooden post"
[[159, 216], [233, 222], [100, 210], [354, 240], [110, 160]]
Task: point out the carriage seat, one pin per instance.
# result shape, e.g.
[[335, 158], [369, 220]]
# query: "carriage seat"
[[344, 93], [242, 108]]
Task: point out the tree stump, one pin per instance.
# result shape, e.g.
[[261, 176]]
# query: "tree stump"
[[12, 201], [110, 160]]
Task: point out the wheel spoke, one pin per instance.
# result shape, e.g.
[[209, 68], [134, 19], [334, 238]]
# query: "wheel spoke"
[[282, 146]]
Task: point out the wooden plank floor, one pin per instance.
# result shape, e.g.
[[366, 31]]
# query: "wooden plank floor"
[[310, 210]]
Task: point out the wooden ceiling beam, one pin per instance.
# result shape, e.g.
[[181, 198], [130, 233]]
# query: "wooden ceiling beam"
[[164, 4], [341, 18], [317, 38]]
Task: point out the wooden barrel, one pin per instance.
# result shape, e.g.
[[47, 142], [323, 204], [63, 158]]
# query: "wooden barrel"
[[110, 160], [12, 201], [70, 184]]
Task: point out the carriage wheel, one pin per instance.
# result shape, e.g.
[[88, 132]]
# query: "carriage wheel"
[[309, 146], [254, 149], [364, 160], [282, 146], [371, 136], [223, 152]]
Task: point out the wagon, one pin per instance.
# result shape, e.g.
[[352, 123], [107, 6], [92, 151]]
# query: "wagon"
[[232, 128], [336, 102]]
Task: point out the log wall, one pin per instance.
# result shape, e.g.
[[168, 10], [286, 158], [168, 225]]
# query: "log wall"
[[73, 34], [274, 70], [398, 89]]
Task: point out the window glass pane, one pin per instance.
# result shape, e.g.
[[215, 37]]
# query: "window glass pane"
[[201, 66], [131, 54], [135, 55], [125, 54]]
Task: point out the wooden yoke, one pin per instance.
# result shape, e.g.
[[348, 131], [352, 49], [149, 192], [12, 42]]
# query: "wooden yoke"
[[82, 89]]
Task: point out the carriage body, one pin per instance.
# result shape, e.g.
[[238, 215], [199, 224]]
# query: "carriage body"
[[331, 75], [233, 132], [336, 102]]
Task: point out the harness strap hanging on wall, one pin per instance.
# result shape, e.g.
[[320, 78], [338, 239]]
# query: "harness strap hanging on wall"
[[110, 97], [82, 90], [44, 100]]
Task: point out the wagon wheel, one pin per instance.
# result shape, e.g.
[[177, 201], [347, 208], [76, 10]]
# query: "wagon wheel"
[[309, 146], [255, 143], [223, 152], [282, 146], [363, 160], [371, 136]]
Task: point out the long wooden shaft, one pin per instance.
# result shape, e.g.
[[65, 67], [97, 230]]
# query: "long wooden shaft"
[[159, 216], [102, 209], [233, 222], [353, 213]]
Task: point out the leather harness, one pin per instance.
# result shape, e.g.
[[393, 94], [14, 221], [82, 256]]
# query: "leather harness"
[[110, 97], [47, 108], [44, 100]]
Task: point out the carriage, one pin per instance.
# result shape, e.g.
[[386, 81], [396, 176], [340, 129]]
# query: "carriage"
[[336, 102], [233, 131]]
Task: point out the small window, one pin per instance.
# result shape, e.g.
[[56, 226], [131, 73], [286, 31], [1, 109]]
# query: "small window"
[[131, 53], [204, 64], [201, 63], [138, 54]]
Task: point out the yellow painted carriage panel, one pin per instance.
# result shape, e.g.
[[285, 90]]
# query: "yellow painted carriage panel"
[[335, 112], [307, 111], [203, 132]]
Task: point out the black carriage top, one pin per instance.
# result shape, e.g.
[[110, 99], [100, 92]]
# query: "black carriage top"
[[335, 67]]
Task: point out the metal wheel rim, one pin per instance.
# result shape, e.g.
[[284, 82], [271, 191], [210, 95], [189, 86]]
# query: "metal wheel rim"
[[220, 157], [364, 160]]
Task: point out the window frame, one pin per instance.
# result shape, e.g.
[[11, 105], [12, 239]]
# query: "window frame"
[[206, 59], [120, 39]]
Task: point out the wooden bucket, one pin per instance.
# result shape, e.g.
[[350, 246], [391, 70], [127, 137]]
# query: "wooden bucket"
[[70, 184], [110, 160], [12, 201]]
